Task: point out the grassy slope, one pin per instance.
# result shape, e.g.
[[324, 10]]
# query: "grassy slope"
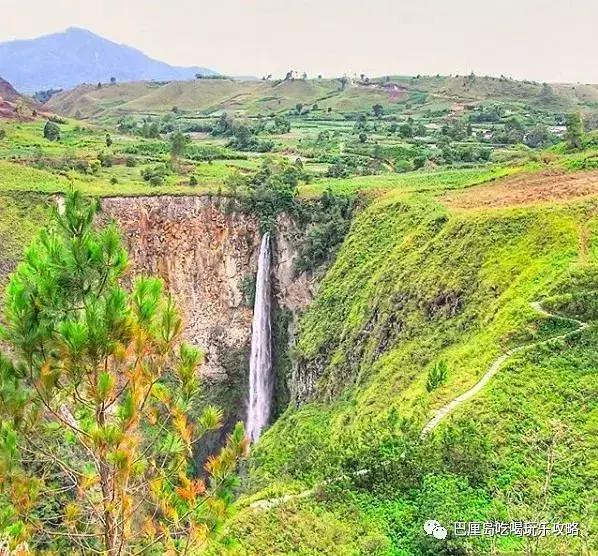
[[251, 97], [21, 216], [24, 141], [413, 181], [18, 177], [205, 96], [412, 285]]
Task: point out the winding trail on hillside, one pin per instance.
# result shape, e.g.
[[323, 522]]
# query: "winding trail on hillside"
[[496, 365], [447, 409]]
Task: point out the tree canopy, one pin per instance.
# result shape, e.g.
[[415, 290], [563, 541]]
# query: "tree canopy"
[[99, 410]]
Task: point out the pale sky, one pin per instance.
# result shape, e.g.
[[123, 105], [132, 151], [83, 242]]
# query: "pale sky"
[[545, 40]]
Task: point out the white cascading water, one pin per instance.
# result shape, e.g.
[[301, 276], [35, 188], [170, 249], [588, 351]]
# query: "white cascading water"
[[260, 364]]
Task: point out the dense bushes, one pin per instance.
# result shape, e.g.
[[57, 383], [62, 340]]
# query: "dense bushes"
[[242, 135], [267, 193], [272, 191], [329, 222], [155, 174], [51, 131]]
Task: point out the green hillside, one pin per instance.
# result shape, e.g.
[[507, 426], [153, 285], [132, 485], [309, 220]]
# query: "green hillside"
[[21, 216], [415, 284], [449, 228], [208, 96]]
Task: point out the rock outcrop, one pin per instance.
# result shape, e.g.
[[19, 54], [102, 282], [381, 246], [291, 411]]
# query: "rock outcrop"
[[207, 257], [203, 255]]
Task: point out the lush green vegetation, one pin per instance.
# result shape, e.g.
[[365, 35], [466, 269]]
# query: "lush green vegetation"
[[21, 216], [412, 288], [390, 135], [99, 412], [414, 299], [343, 128]]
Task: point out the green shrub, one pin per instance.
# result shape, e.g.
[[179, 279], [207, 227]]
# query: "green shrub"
[[156, 180], [51, 131], [93, 166], [338, 170], [437, 375], [155, 171], [403, 166], [106, 160], [330, 222], [270, 191]]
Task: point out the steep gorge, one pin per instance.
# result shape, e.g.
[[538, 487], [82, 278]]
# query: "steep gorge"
[[417, 287], [413, 284], [207, 256]]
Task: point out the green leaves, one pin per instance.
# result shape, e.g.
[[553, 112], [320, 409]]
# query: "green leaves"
[[171, 321], [8, 442], [172, 444], [437, 375], [126, 410], [75, 337], [106, 383], [211, 418], [146, 300], [189, 359], [97, 396]]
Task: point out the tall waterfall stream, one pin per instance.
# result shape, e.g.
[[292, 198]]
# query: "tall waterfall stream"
[[260, 364]]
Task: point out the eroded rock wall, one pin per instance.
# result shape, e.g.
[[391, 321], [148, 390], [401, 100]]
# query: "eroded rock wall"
[[293, 294], [205, 253]]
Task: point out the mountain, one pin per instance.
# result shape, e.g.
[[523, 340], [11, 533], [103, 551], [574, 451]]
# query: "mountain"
[[64, 60]]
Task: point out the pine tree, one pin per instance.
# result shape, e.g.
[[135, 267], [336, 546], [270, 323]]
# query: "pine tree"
[[99, 413]]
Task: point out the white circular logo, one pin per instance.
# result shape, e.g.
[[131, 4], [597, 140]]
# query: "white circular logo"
[[433, 527]]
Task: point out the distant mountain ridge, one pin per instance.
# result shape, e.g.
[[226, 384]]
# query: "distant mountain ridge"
[[75, 56]]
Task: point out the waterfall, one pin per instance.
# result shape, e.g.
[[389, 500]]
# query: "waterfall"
[[260, 364]]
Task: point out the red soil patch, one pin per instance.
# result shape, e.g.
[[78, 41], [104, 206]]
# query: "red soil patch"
[[526, 189], [10, 98], [8, 92]]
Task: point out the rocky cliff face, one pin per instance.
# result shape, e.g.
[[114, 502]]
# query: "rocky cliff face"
[[203, 255], [293, 295], [207, 257]]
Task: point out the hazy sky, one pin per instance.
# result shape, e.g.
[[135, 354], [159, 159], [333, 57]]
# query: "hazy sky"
[[552, 40]]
